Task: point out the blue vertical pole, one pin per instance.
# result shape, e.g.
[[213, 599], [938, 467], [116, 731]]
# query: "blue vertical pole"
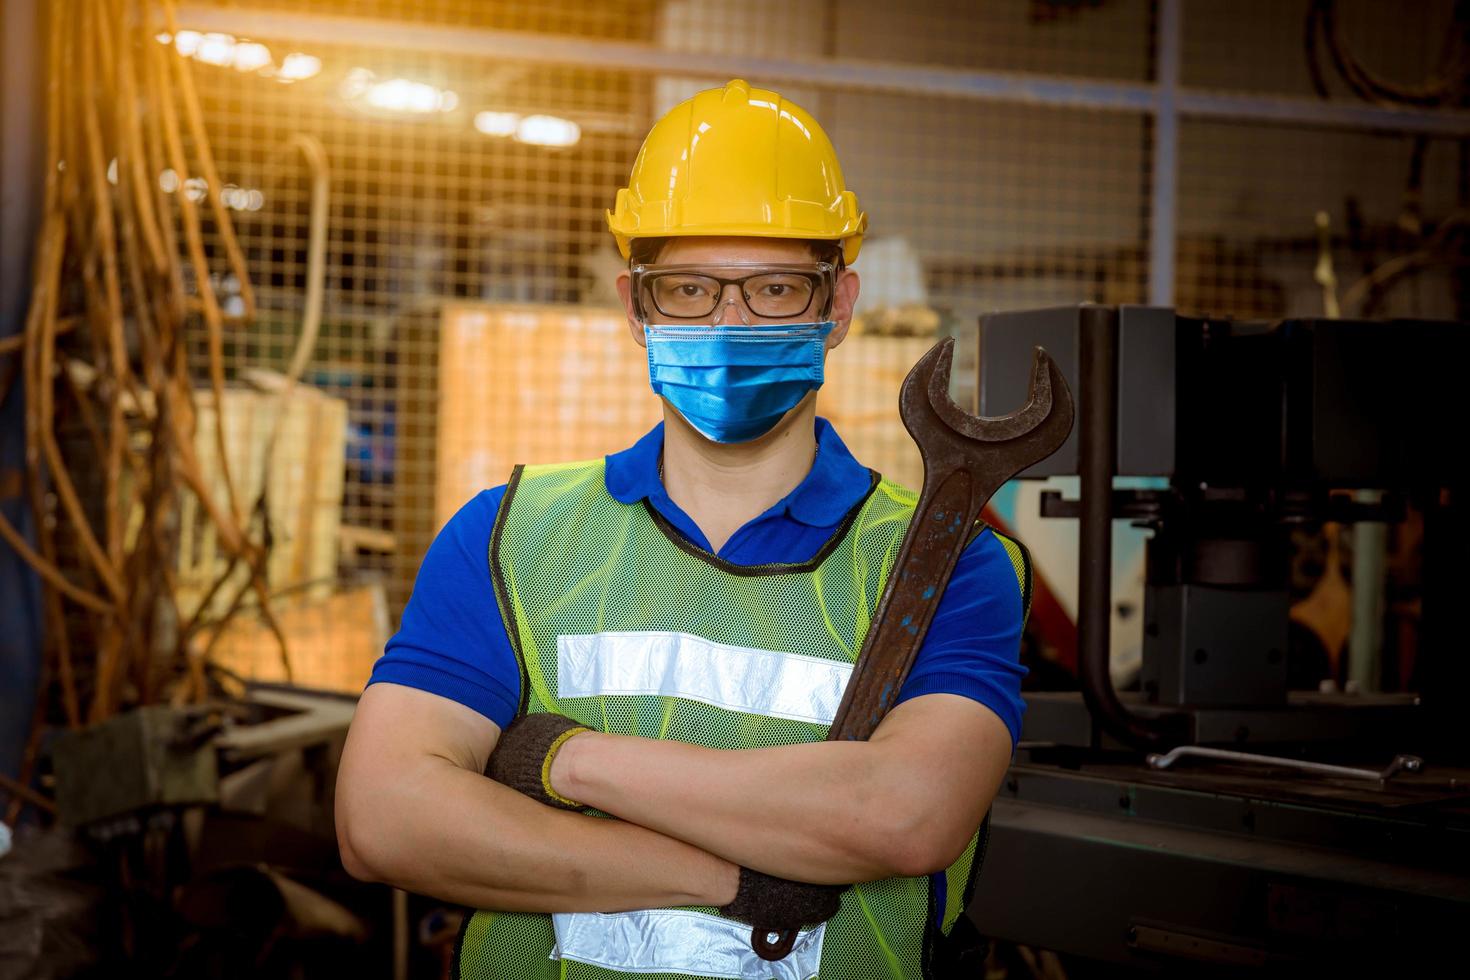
[[22, 147]]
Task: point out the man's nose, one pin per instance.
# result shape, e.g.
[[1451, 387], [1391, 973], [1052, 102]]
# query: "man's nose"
[[730, 298]]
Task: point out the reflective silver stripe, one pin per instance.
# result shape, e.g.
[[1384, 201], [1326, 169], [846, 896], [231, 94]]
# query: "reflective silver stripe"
[[759, 682], [678, 941]]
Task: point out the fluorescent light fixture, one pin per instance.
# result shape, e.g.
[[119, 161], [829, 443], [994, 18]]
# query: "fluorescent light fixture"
[[226, 50], [186, 41], [299, 67], [402, 95], [251, 56], [396, 94], [497, 123], [548, 131], [214, 49]]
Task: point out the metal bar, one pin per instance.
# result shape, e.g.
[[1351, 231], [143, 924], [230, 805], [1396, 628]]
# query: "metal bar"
[[1331, 114], [1401, 763], [874, 76], [1096, 457], [1163, 197]]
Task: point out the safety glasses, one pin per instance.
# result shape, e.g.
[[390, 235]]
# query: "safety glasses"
[[770, 292]]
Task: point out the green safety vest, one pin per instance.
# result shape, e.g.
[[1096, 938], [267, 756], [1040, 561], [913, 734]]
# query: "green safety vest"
[[621, 623]]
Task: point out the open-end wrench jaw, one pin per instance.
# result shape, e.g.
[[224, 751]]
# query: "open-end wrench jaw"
[[1031, 433]]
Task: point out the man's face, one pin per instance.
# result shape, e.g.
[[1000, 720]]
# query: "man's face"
[[725, 256]]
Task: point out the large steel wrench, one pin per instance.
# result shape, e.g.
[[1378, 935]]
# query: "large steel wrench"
[[966, 459]]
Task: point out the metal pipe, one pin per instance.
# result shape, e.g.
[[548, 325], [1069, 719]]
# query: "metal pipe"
[[903, 79], [1400, 763], [1165, 175], [1370, 580], [1097, 455]]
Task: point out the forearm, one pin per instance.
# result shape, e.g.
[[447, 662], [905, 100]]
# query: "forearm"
[[439, 829], [821, 812], [905, 802]]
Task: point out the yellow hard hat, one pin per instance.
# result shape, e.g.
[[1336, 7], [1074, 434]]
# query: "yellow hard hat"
[[738, 161]]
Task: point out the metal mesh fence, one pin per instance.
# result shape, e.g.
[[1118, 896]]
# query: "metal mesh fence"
[[442, 201]]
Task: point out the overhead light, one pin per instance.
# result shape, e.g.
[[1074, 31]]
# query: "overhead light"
[[251, 56], [226, 50], [402, 95], [396, 94], [548, 131], [214, 49], [298, 67], [497, 123], [187, 42]]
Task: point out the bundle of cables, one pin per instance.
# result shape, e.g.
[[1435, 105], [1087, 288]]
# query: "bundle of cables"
[[122, 270], [1447, 85]]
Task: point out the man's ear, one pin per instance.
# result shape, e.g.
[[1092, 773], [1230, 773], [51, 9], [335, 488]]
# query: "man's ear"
[[624, 284], [843, 303]]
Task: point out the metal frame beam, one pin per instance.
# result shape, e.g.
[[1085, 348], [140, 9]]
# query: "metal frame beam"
[[991, 86], [1163, 191]]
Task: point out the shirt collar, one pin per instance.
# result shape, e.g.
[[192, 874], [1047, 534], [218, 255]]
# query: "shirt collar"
[[836, 482]]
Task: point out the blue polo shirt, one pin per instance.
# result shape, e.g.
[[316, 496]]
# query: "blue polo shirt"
[[452, 641]]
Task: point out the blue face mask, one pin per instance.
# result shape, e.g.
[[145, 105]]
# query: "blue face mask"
[[733, 384]]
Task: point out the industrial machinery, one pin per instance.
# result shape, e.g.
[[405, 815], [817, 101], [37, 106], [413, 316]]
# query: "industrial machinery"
[[1215, 815]]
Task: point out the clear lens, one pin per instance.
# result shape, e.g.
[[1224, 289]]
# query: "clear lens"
[[778, 294], [685, 295]]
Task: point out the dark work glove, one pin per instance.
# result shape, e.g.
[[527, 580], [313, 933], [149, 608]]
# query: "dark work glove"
[[522, 758], [777, 905]]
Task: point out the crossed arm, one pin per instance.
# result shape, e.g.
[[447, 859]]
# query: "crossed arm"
[[414, 810]]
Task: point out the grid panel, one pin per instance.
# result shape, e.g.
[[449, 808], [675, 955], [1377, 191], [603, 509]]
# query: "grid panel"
[[1248, 247], [1260, 45], [974, 205]]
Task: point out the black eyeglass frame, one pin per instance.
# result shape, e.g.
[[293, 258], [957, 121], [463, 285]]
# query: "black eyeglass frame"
[[819, 273]]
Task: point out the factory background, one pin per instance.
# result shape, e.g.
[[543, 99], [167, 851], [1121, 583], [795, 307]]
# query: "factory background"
[[1250, 160]]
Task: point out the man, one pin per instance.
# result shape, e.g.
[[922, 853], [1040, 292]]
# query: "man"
[[672, 627]]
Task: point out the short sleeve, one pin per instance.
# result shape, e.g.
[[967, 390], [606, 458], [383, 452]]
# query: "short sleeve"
[[973, 647], [452, 640]]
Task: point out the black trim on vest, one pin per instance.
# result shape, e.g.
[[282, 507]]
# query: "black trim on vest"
[[1027, 592], [1026, 577], [931, 932], [464, 928], [502, 594], [941, 951], [769, 568], [980, 848]]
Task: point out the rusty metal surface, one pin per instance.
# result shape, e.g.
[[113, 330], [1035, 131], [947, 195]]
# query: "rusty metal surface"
[[966, 459]]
